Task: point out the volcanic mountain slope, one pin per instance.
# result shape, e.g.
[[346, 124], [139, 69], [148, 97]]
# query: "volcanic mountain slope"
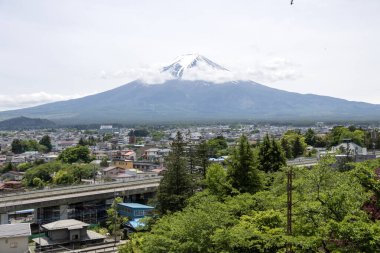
[[190, 96]]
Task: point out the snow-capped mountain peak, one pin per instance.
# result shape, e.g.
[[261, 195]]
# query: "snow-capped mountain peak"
[[190, 63]]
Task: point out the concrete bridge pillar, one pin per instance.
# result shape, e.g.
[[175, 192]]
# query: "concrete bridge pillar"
[[4, 219], [35, 216], [63, 215]]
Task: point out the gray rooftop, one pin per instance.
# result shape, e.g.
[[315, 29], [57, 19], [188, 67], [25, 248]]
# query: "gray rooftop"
[[65, 224], [14, 230]]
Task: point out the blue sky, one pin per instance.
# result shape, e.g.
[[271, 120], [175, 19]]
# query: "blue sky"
[[54, 50]]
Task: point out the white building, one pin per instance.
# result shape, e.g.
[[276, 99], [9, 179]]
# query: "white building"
[[14, 238], [353, 148]]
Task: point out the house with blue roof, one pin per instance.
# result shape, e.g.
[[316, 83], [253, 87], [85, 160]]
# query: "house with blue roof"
[[134, 210]]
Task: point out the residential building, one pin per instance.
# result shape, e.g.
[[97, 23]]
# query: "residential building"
[[71, 233], [125, 164], [14, 238], [134, 210]]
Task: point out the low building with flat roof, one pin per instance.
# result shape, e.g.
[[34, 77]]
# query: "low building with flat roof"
[[134, 210]]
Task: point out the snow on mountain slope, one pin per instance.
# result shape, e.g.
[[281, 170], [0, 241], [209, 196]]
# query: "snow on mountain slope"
[[197, 67]]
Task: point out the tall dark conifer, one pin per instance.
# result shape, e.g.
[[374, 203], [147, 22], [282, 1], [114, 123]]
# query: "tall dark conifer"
[[203, 156], [176, 185], [271, 155], [242, 171], [45, 141]]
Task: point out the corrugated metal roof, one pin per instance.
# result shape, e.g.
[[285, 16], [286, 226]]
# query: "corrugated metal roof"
[[14, 230]]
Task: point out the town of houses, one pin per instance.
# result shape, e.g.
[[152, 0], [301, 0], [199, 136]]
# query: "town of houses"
[[128, 156]]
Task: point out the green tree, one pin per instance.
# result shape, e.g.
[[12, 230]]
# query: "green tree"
[[298, 147], [271, 156], [82, 142], [43, 172], [293, 144], [339, 133], [45, 141], [8, 167], [217, 181], [104, 162], [17, 146], [139, 133], [82, 171], [24, 166], [286, 147], [216, 146], [176, 185], [75, 154], [242, 171], [310, 137], [38, 183], [63, 177], [202, 151], [115, 221]]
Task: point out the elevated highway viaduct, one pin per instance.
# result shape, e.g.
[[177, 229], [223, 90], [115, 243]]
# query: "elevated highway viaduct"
[[59, 202]]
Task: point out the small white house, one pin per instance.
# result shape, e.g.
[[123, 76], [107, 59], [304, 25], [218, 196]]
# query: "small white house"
[[14, 238], [353, 148]]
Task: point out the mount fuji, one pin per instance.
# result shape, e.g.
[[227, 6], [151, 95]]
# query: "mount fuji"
[[196, 88]]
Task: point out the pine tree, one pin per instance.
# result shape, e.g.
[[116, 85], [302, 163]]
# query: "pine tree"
[[176, 185], [271, 155], [17, 146], [278, 157], [82, 142], [265, 163], [297, 147], [310, 137], [286, 147], [242, 171], [203, 156]]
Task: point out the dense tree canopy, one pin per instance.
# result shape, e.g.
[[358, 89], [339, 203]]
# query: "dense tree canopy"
[[329, 215], [20, 146], [339, 133], [293, 143], [75, 154], [217, 146], [59, 173]]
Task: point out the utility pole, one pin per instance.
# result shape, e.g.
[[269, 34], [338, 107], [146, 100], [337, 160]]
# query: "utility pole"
[[373, 137], [94, 173], [114, 217], [289, 208]]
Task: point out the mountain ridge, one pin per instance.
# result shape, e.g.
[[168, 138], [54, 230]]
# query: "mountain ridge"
[[199, 100], [188, 97], [25, 123]]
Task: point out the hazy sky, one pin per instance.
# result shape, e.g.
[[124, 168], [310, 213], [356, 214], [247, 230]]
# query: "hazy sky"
[[52, 50]]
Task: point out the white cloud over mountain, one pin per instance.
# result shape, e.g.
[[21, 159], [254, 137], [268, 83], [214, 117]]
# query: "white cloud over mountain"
[[272, 70], [9, 102]]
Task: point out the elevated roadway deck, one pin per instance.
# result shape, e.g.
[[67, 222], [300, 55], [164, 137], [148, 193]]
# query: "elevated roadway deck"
[[76, 194]]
